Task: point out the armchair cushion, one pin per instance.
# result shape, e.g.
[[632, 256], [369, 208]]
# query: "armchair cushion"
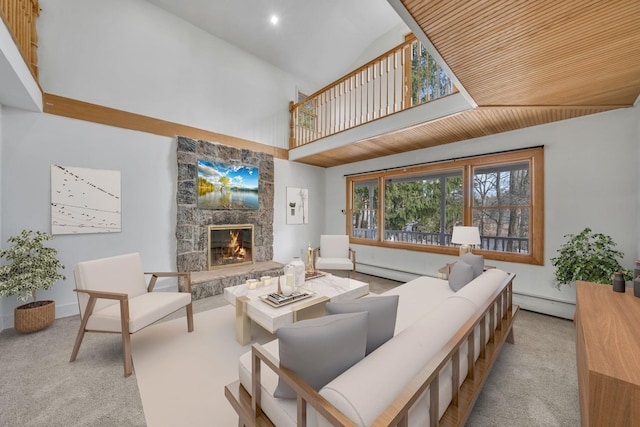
[[334, 246], [121, 274], [382, 316], [334, 264], [318, 350], [143, 311]]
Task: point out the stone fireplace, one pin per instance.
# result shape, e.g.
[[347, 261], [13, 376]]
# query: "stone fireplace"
[[230, 245], [193, 223]]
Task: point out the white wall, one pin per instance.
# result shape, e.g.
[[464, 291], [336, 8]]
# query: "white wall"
[[134, 56], [33, 141], [292, 240], [384, 43], [148, 169], [590, 180], [1, 192]]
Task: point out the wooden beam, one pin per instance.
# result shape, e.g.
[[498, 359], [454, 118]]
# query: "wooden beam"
[[67, 107]]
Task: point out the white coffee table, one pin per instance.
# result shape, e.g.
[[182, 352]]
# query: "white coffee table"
[[249, 307]]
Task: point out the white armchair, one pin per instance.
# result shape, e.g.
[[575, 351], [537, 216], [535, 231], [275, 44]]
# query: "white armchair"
[[113, 297], [335, 253]]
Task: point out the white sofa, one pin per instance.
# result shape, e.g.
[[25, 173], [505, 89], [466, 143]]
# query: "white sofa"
[[434, 326]]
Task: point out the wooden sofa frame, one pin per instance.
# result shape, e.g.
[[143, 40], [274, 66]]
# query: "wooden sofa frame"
[[499, 306]]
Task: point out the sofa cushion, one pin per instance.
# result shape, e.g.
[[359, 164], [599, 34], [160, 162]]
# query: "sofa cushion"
[[382, 316], [358, 392], [318, 350], [461, 274], [483, 286], [475, 261], [282, 412], [417, 297]]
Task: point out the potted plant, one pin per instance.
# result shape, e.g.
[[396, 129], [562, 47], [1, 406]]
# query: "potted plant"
[[587, 256], [30, 266]]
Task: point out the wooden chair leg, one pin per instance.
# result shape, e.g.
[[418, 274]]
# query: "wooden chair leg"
[[190, 317], [126, 337], [83, 325], [126, 353], [76, 346]]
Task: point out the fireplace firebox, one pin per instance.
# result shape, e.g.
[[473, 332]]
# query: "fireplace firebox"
[[230, 245]]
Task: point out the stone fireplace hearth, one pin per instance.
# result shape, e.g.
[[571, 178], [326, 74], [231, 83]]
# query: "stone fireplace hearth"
[[192, 225]]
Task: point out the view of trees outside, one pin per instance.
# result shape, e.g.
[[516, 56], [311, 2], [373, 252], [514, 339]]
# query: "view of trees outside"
[[307, 113], [428, 80], [419, 206], [423, 209], [501, 206], [365, 210]]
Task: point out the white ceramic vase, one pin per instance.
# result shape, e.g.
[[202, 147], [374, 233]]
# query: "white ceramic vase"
[[299, 268]]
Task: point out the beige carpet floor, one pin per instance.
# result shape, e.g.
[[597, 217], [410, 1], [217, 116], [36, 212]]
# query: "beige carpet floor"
[[181, 376]]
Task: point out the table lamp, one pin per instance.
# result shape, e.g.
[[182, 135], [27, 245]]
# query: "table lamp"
[[465, 237]]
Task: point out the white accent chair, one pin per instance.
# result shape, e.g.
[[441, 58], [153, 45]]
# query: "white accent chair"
[[335, 253], [113, 297]]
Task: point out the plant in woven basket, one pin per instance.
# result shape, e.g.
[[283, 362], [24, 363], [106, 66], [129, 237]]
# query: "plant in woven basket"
[[30, 266], [587, 256]]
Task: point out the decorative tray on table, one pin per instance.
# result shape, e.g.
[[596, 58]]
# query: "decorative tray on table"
[[278, 300], [309, 276]]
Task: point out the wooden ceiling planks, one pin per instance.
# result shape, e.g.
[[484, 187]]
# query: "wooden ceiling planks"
[[540, 52], [482, 121], [524, 62]]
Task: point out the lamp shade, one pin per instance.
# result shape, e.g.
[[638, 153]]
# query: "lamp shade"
[[465, 235]]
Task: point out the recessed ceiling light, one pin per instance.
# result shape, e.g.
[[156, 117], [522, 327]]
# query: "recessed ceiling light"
[[274, 19]]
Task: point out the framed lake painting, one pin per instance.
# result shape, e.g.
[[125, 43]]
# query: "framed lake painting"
[[224, 186]]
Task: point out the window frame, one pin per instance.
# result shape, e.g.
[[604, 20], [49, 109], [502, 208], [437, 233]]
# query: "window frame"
[[535, 158]]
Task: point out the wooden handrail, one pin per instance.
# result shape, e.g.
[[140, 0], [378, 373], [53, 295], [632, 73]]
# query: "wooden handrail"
[[20, 18], [401, 78]]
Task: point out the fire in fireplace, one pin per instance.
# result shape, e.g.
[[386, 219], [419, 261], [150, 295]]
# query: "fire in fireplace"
[[230, 245]]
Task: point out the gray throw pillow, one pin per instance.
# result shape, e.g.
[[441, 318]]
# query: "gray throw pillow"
[[318, 350], [475, 261], [461, 274], [382, 316]]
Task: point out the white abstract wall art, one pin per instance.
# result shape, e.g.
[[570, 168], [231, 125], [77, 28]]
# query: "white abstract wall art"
[[85, 200], [297, 205]]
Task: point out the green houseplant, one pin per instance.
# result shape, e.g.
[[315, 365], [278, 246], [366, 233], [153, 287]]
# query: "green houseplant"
[[587, 256], [30, 266]]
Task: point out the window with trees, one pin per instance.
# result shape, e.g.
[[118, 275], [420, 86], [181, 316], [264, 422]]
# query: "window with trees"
[[416, 208]]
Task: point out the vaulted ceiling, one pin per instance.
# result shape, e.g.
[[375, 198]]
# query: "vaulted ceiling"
[[314, 41], [524, 63]]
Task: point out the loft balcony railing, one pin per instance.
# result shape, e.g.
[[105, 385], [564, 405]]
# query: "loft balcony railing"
[[20, 18], [404, 77]]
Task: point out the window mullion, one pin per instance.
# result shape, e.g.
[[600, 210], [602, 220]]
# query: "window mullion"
[[381, 205], [467, 197]]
